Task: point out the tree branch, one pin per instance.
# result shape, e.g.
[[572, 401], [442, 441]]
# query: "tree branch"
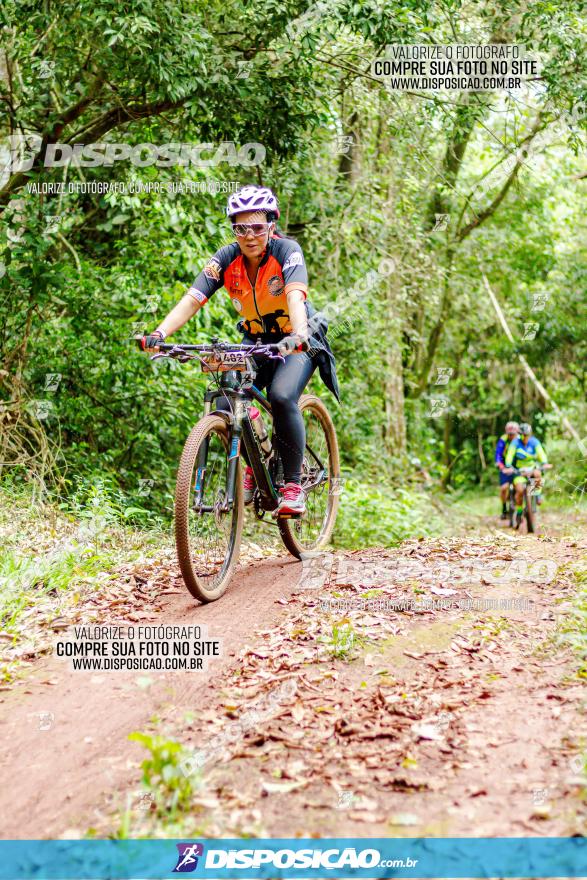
[[464, 124], [119, 115], [96, 128], [491, 208], [76, 110]]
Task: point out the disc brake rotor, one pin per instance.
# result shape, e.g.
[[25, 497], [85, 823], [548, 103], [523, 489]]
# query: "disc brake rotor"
[[219, 513]]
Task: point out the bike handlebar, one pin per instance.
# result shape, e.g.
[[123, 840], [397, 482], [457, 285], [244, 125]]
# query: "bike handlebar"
[[269, 350], [219, 346], [520, 471]]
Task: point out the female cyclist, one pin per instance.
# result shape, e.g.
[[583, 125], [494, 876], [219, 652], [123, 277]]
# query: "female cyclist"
[[265, 275]]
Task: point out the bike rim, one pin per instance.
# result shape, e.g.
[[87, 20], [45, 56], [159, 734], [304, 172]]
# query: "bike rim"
[[211, 529], [319, 487]]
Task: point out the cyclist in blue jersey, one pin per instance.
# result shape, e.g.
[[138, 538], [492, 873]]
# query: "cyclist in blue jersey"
[[526, 452]]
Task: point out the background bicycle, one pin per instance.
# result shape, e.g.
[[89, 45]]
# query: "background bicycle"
[[530, 511]]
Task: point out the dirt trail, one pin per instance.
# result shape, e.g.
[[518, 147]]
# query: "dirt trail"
[[416, 721], [65, 777]]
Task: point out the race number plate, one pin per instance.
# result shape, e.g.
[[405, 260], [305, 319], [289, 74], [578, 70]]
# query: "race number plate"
[[224, 361]]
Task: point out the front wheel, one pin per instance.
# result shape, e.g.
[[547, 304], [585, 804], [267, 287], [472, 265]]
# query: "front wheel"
[[512, 509], [207, 530], [530, 511], [320, 481]]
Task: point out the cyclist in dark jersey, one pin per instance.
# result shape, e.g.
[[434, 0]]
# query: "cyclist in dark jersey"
[[512, 429], [265, 275]]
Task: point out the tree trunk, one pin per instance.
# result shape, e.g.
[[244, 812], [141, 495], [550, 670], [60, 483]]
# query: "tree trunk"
[[395, 419], [437, 330], [394, 436], [446, 458], [349, 149]]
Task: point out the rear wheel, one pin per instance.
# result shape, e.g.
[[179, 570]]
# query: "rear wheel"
[[207, 535], [320, 480]]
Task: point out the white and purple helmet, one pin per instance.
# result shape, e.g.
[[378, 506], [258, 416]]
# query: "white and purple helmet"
[[253, 198]]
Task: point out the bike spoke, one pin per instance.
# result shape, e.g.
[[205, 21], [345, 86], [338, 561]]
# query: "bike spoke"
[[210, 526], [316, 479]]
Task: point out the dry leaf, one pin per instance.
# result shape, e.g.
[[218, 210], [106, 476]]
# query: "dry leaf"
[[283, 787], [298, 713], [427, 731], [404, 819], [364, 816], [442, 591]]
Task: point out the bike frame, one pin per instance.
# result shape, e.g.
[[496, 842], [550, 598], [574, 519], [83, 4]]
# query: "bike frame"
[[529, 487], [241, 430], [238, 393], [529, 477]]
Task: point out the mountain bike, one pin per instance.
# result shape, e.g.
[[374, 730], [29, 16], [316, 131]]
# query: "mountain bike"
[[530, 511], [209, 508]]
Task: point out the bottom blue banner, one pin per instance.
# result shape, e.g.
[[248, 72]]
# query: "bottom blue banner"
[[332, 857]]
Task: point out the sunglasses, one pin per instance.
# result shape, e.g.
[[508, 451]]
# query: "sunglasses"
[[242, 229]]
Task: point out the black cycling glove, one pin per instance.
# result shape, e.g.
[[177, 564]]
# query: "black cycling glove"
[[293, 343], [151, 341]]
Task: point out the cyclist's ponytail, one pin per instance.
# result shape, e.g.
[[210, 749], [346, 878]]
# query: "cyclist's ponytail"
[[276, 231]]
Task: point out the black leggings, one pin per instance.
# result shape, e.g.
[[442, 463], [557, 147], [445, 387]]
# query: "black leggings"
[[285, 381]]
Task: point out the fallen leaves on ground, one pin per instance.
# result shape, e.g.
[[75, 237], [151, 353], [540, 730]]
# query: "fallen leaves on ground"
[[365, 724]]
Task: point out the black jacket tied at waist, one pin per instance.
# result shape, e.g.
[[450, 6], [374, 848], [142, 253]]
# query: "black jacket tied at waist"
[[320, 349]]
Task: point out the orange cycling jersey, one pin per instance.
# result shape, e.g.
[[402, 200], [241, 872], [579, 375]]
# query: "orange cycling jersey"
[[262, 306]]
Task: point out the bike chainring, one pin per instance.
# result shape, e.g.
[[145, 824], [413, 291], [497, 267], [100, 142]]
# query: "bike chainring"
[[257, 507]]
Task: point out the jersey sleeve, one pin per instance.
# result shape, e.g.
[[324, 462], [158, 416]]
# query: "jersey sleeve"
[[511, 454], [293, 268], [212, 275], [499, 450], [540, 453]]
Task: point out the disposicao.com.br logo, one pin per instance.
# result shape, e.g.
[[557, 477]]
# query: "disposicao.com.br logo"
[[324, 859], [187, 859]]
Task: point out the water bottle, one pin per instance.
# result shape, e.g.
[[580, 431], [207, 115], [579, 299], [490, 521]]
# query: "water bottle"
[[260, 430]]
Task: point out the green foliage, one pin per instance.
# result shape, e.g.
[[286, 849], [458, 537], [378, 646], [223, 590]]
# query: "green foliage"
[[376, 515], [51, 554], [161, 72], [163, 773], [344, 641], [100, 504], [23, 579], [577, 624], [29, 572]]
